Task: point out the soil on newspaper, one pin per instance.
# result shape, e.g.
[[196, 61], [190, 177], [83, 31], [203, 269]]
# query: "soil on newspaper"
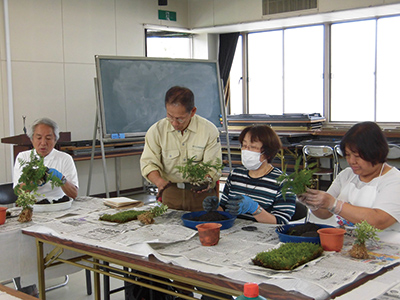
[[307, 229], [210, 216]]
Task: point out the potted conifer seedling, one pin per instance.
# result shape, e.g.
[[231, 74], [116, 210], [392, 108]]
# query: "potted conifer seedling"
[[363, 232], [196, 172], [34, 174]]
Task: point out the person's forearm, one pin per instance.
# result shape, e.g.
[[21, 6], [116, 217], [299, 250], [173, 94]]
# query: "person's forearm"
[[70, 189], [375, 217], [265, 217], [322, 213], [156, 178]]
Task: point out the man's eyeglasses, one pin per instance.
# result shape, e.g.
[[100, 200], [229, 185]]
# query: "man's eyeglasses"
[[179, 120]]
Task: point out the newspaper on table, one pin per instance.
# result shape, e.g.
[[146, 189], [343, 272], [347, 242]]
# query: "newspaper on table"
[[171, 242]]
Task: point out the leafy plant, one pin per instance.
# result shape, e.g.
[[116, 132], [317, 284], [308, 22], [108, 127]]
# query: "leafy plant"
[[196, 172], [34, 173], [148, 217], [288, 256], [299, 180], [363, 232], [26, 199], [130, 215]]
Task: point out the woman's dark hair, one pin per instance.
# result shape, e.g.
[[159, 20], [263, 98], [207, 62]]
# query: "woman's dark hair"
[[271, 142], [178, 95], [368, 140]]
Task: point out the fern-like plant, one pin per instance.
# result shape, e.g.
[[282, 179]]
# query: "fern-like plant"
[[195, 172], [298, 181]]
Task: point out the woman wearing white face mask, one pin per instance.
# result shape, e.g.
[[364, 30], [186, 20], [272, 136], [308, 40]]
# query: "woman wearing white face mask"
[[369, 189], [252, 191]]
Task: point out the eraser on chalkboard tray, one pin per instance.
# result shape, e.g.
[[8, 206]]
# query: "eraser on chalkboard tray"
[[115, 136]]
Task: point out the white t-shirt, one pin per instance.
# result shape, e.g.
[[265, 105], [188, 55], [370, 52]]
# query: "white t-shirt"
[[58, 160], [388, 191]]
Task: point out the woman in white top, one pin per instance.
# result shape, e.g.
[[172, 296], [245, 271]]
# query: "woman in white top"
[[369, 189]]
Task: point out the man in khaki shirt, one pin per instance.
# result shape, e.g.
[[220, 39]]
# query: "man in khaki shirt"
[[171, 142]]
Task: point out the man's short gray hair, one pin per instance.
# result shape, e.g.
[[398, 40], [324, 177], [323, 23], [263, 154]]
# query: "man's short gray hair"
[[45, 121]]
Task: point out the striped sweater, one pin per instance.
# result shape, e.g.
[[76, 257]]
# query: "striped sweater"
[[265, 190]]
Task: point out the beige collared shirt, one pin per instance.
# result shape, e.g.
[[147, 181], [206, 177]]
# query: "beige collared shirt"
[[166, 148]]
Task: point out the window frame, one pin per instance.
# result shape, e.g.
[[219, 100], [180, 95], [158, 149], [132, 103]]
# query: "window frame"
[[326, 71]]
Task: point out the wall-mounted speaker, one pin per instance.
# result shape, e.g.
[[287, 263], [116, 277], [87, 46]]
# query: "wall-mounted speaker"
[[162, 2]]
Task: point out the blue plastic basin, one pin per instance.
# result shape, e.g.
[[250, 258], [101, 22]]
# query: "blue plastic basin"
[[286, 238], [188, 219]]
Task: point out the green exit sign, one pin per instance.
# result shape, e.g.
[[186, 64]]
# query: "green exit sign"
[[167, 15]]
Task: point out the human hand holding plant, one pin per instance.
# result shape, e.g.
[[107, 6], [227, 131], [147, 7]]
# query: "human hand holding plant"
[[298, 181]]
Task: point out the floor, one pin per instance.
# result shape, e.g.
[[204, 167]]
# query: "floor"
[[76, 288]]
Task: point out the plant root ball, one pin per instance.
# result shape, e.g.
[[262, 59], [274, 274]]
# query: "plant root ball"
[[359, 251]]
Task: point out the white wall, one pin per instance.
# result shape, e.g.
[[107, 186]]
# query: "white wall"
[[53, 44]]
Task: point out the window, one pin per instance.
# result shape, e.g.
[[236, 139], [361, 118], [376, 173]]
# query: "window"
[[388, 66], [303, 71], [235, 79], [168, 44], [286, 70], [353, 67], [265, 72]]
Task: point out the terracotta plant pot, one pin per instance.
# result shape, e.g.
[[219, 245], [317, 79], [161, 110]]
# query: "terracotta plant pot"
[[3, 211], [209, 233], [331, 238]]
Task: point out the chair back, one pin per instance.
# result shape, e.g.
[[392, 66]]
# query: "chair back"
[[339, 155], [394, 151], [317, 150], [301, 211], [7, 195]]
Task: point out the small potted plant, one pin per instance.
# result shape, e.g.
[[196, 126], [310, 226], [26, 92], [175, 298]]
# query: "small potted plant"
[[196, 172], [298, 181], [34, 174], [363, 232]]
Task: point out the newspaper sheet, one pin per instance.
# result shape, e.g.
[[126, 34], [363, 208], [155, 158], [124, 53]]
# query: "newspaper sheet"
[[173, 243]]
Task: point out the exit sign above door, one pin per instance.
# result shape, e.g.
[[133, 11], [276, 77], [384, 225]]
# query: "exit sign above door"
[[167, 15]]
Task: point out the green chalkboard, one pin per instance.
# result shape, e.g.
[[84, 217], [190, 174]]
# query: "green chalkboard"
[[132, 90]]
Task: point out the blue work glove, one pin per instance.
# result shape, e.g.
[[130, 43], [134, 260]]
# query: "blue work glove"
[[241, 204], [53, 172], [210, 203]]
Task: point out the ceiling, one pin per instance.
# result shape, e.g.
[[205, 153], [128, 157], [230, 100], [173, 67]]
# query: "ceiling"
[[292, 21]]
